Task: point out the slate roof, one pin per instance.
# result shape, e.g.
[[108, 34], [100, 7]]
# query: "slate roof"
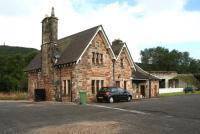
[[35, 63], [70, 48], [140, 74], [73, 46]]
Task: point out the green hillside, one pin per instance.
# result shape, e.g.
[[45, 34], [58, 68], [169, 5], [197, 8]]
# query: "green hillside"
[[12, 50], [13, 60]]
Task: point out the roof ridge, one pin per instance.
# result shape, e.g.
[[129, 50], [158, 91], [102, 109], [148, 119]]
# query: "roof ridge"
[[80, 32], [75, 45]]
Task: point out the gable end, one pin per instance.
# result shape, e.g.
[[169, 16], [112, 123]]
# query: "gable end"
[[100, 28]]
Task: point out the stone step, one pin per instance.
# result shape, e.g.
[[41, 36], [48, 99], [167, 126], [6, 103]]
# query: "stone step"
[[66, 99]]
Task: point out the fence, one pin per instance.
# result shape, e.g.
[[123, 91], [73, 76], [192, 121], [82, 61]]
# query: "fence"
[[170, 90]]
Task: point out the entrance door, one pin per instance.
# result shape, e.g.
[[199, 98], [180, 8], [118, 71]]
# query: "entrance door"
[[69, 87], [64, 88], [142, 90]]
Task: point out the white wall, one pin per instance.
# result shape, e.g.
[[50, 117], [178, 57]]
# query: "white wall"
[[170, 90]]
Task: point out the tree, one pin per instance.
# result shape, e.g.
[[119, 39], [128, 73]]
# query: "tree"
[[194, 66], [164, 60], [13, 60]]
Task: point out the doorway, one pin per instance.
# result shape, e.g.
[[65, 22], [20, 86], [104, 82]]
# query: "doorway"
[[142, 90]]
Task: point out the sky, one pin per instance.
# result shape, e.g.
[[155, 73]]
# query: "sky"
[[173, 24]]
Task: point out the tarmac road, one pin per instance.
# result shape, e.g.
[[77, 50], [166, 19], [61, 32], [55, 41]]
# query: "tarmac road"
[[174, 115]]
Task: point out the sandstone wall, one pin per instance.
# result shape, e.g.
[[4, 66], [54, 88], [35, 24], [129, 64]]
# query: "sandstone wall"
[[89, 68], [154, 88], [123, 73]]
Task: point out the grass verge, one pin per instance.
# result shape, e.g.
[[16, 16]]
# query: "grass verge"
[[14, 96], [178, 94]]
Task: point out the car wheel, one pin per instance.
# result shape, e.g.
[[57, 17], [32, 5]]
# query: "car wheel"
[[129, 98], [111, 100]]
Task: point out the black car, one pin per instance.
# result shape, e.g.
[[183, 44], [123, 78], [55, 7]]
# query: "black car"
[[188, 89], [113, 94]]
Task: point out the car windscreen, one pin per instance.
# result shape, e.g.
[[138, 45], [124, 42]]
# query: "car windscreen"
[[121, 90]]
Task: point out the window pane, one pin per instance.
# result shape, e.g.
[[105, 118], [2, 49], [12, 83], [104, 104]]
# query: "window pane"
[[93, 86], [122, 64], [101, 58], [97, 58], [102, 83], [93, 57], [117, 83], [97, 85], [120, 90]]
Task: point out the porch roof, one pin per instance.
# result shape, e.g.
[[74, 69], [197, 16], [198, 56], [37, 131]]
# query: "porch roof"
[[140, 74]]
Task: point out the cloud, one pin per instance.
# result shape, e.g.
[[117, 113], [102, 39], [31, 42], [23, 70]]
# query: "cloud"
[[152, 7], [140, 25], [16, 7]]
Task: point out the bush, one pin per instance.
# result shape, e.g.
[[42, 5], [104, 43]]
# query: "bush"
[[14, 96], [177, 94]]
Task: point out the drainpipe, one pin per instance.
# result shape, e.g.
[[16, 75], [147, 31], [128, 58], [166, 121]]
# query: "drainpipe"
[[113, 73], [60, 99], [71, 87], [149, 86]]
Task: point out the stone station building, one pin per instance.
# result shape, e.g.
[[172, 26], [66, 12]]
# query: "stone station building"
[[85, 61]]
